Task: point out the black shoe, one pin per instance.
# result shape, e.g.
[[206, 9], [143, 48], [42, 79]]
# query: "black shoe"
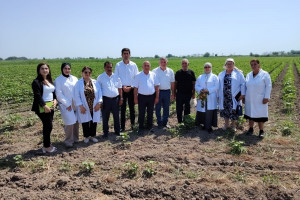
[[201, 127], [140, 131], [261, 134], [122, 130], [210, 130], [250, 131], [151, 130], [105, 135], [116, 133]]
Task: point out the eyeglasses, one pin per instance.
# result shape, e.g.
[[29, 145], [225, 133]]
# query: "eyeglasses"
[[87, 72]]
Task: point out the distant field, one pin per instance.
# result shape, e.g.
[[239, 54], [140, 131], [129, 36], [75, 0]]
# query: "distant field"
[[183, 162], [16, 76]]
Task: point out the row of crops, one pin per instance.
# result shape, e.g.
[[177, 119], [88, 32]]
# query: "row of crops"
[[289, 90], [16, 76]]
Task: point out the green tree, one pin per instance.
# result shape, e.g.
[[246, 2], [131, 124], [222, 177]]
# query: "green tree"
[[206, 54]]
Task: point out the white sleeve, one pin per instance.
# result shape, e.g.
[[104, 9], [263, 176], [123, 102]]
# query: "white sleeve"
[[268, 84], [99, 100], [172, 76], [215, 87], [198, 87], [135, 82], [77, 96], [59, 94]]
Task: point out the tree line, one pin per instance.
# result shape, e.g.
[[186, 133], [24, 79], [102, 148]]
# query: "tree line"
[[207, 54]]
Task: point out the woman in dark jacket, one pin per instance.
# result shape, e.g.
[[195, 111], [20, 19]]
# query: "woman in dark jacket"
[[44, 102]]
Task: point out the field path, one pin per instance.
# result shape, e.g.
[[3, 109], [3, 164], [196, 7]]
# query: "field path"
[[297, 85]]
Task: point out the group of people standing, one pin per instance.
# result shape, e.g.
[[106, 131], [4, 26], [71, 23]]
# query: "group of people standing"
[[86, 101]]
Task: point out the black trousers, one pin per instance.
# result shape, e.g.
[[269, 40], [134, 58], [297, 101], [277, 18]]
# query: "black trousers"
[[47, 119], [89, 128], [183, 100], [110, 105], [130, 97], [146, 102]]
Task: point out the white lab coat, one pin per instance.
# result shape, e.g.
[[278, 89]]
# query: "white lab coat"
[[257, 89], [237, 85], [81, 100], [64, 90], [212, 86]]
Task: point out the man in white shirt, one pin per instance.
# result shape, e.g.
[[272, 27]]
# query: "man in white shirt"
[[126, 71], [166, 79], [111, 87], [146, 94]]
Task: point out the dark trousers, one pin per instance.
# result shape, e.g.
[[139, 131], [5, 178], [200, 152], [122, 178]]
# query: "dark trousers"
[[130, 97], [146, 102], [89, 128], [110, 105], [164, 102], [183, 100], [46, 119]]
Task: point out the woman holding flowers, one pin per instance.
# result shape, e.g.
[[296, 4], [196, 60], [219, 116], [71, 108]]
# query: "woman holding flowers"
[[231, 92], [207, 86]]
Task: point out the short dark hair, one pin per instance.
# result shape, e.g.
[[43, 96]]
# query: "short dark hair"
[[86, 67], [107, 63], [254, 60], [125, 49]]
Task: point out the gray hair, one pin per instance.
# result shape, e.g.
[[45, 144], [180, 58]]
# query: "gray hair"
[[208, 64], [186, 60], [163, 58]]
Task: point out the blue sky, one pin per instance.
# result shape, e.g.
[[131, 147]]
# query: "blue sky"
[[98, 28]]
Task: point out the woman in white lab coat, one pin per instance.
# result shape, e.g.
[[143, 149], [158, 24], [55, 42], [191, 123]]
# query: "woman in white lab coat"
[[64, 90], [207, 110], [258, 91], [88, 100], [231, 92]]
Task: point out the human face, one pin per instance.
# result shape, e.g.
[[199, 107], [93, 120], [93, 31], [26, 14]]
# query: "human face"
[[86, 74], [163, 63], [125, 55], [44, 70], [67, 70], [207, 69], [229, 66], [146, 67], [184, 65], [108, 69], [255, 67]]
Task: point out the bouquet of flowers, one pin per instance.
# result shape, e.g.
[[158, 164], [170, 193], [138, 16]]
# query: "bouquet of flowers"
[[203, 97]]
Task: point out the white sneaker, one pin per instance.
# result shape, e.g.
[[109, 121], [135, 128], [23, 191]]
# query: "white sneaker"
[[86, 140], [94, 140]]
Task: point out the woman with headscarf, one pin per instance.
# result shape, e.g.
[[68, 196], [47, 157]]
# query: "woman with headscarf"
[[231, 92], [64, 90], [44, 101], [258, 92], [207, 86], [88, 100]]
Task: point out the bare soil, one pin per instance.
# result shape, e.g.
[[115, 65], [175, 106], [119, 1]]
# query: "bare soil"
[[197, 165]]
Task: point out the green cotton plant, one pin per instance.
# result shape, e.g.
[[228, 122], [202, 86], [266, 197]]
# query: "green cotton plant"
[[124, 137], [130, 169], [236, 147], [87, 166], [187, 124], [149, 171], [19, 161]]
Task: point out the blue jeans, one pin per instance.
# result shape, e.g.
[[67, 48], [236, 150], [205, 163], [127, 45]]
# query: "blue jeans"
[[164, 101]]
